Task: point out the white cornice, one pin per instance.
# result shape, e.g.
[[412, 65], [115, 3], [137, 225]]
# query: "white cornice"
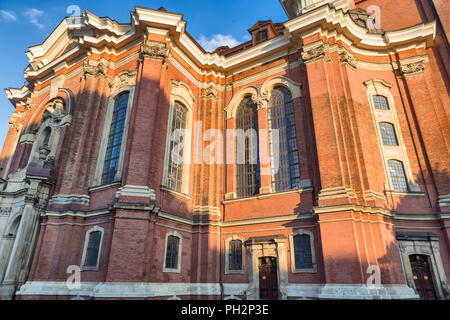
[[104, 34], [330, 19]]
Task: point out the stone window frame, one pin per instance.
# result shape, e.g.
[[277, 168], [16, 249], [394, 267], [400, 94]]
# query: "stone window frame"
[[292, 251], [180, 247], [180, 93], [430, 248], [97, 181], [383, 88], [86, 242], [227, 252]]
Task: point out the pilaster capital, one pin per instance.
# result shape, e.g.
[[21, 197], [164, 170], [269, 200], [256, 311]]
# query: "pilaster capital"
[[315, 52], [154, 50]]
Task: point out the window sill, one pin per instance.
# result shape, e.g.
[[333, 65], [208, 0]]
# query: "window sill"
[[104, 187], [404, 194], [89, 268], [234, 272], [171, 270], [313, 270], [175, 193], [269, 195]]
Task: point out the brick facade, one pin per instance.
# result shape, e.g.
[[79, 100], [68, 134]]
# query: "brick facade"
[[345, 201]]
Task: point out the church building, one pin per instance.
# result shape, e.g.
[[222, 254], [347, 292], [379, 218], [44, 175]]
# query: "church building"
[[310, 162]]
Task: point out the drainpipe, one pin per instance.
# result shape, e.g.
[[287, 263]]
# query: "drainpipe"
[[222, 290]]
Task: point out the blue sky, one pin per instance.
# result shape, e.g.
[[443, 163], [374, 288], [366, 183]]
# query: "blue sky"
[[27, 23]]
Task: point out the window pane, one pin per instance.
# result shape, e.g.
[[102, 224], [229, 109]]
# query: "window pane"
[[93, 249], [388, 134], [302, 250], [235, 255], [248, 170], [380, 102], [173, 243], [281, 118], [398, 177], [175, 169], [114, 145]]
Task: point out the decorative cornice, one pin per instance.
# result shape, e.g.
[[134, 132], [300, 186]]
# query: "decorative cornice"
[[211, 92], [413, 65], [136, 191], [154, 50], [412, 68], [92, 70], [316, 53], [347, 59], [63, 199], [123, 79]]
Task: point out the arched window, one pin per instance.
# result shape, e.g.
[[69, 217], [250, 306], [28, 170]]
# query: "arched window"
[[398, 178], [286, 175], [235, 255], [172, 252], [380, 102], [47, 135], [388, 134], [114, 145], [247, 151], [303, 253], [175, 167], [91, 255]]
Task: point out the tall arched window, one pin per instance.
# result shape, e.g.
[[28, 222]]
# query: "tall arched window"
[[380, 102], [286, 175], [388, 134], [247, 151], [303, 252], [235, 255], [175, 166], [398, 178], [114, 145]]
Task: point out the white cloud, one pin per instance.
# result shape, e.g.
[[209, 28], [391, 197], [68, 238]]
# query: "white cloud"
[[33, 14], [217, 40], [8, 15], [246, 37]]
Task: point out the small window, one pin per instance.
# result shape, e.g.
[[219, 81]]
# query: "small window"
[[303, 253], [380, 102], [172, 250], [388, 134], [112, 156], [261, 35], [398, 177], [235, 255], [92, 250]]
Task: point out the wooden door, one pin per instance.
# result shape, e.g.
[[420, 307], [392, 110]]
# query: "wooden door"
[[268, 278], [422, 276]]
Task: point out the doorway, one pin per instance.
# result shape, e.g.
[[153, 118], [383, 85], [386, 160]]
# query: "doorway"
[[422, 275], [268, 278]]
